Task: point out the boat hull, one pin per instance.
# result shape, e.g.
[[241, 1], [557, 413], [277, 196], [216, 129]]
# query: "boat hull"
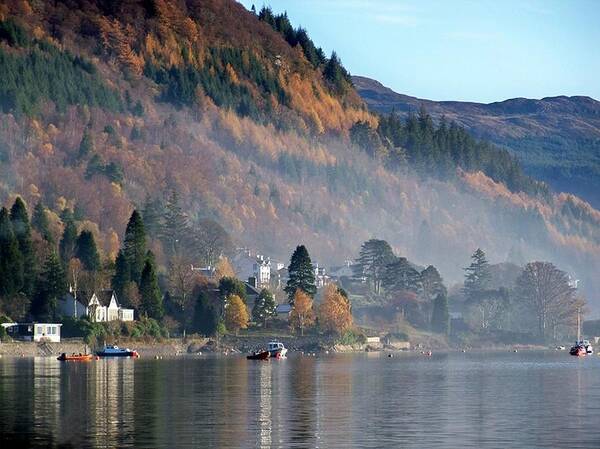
[[75, 358], [264, 355], [117, 354]]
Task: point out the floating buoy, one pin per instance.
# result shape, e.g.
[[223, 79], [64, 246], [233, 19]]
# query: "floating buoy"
[[22, 354], [390, 355], [97, 357], [428, 354], [515, 350]]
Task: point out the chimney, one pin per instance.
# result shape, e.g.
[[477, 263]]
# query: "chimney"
[[252, 281]]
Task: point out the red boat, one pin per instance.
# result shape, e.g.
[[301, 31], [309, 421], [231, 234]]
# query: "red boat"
[[261, 355], [75, 357], [578, 350]]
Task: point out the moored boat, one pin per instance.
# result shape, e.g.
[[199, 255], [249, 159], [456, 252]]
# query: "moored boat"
[[115, 351], [75, 357], [578, 350], [259, 355], [276, 349]]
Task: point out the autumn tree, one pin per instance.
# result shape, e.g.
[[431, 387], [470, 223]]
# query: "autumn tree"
[[549, 294], [302, 315], [212, 241], [372, 262], [11, 259], [22, 230], [440, 318], [264, 308], [181, 282], [151, 299], [224, 269], [334, 313], [232, 286], [301, 274], [236, 314]]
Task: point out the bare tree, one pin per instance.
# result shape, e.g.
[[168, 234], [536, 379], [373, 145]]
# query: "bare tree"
[[549, 293], [181, 282], [212, 241]]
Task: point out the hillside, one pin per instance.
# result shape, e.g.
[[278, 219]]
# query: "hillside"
[[556, 138], [110, 106]]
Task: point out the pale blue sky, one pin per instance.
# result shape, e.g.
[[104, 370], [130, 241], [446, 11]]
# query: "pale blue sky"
[[473, 50]]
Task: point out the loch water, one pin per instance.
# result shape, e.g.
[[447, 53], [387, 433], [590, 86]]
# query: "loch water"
[[450, 400]]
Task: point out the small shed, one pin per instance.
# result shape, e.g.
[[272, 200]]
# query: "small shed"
[[38, 332], [283, 311]]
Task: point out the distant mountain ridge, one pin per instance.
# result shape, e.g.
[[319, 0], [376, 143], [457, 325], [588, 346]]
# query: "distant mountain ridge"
[[557, 138]]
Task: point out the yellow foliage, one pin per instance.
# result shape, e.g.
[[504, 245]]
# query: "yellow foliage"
[[236, 314], [224, 269], [334, 313], [302, 315]]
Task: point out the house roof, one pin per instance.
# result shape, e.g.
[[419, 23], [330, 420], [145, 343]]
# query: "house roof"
[[250, 290], [84, 297], [283, 308]]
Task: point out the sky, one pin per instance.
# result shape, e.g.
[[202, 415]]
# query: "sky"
[[468, 50]]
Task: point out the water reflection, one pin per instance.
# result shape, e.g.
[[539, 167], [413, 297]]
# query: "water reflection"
[[457, 400]]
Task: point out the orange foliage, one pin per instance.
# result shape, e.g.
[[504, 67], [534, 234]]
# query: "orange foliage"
[[334, 312]]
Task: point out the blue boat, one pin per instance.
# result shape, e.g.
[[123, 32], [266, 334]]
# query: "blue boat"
[[115, 351]]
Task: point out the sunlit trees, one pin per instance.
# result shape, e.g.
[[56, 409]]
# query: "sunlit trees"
[[372, 262], [334, 312], [264, 307], [303, 314], [224, 269], [549, 294], [301, 274], [236, 314]]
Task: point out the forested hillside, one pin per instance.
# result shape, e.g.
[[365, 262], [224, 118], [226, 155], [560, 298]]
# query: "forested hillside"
[[557, 139], [240, 122]]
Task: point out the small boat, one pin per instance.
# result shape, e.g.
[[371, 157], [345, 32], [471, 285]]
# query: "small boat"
[[115, 351], [75, 357], [581, 347], [259, 355], [578, 350], [276, 349]]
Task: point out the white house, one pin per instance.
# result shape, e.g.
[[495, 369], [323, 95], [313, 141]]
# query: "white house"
[[100, 306], [247, 265], [34, 331]]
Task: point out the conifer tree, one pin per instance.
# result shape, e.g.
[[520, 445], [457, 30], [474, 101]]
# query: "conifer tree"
[[122, 277], [477, 276], [22, 230], [87, 252], [301, 274], [11, 260], [151, 299], [372, 262], [176, 228], [40, 222], [68, 242], [440, 318], [134, 246], [401, 276], [51, 286], [432, 283], [86, 146], [206, 317], [264, 307]]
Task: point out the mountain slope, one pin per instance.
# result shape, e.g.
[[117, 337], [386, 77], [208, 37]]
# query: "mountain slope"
[[203, 98], [557, 138]]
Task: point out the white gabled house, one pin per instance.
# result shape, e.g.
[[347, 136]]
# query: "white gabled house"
[[100, 306]]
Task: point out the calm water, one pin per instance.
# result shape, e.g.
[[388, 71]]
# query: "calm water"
[[498, 400]]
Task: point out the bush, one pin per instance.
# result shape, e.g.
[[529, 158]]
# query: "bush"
[[352, 337]]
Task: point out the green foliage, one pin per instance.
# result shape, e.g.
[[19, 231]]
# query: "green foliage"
[[87, 252], [301, 274], [432, 283], [11, 259], [20, 223], [176, 233], [86, 146], [264, 307], [134, 246], [44, 72], [232, 286], [13, 34], [401, 276], [151, 299], [206, 316], [477, 275], [112, 170], [68, 241], [352, 337], [181, 83], [440, 318], [372, 262], [51, 286], [336, 75], [40, 222], [122, 277]]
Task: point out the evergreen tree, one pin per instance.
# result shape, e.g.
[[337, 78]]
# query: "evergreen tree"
[[401, 276], [206, 317], [176, 232], [51, 286], [11, 260], [40, 222], [151, 299], [432, 283], [86, 146], [153, 216], [68, 242], [440, 318], [264, 307], [121, 278], [374, 257], [87, 252], [134, 246], [477, 276], [232, 286], [22, 230], [301, 274]]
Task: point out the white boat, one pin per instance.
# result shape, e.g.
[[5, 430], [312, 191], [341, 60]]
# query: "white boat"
[[276, 349]]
